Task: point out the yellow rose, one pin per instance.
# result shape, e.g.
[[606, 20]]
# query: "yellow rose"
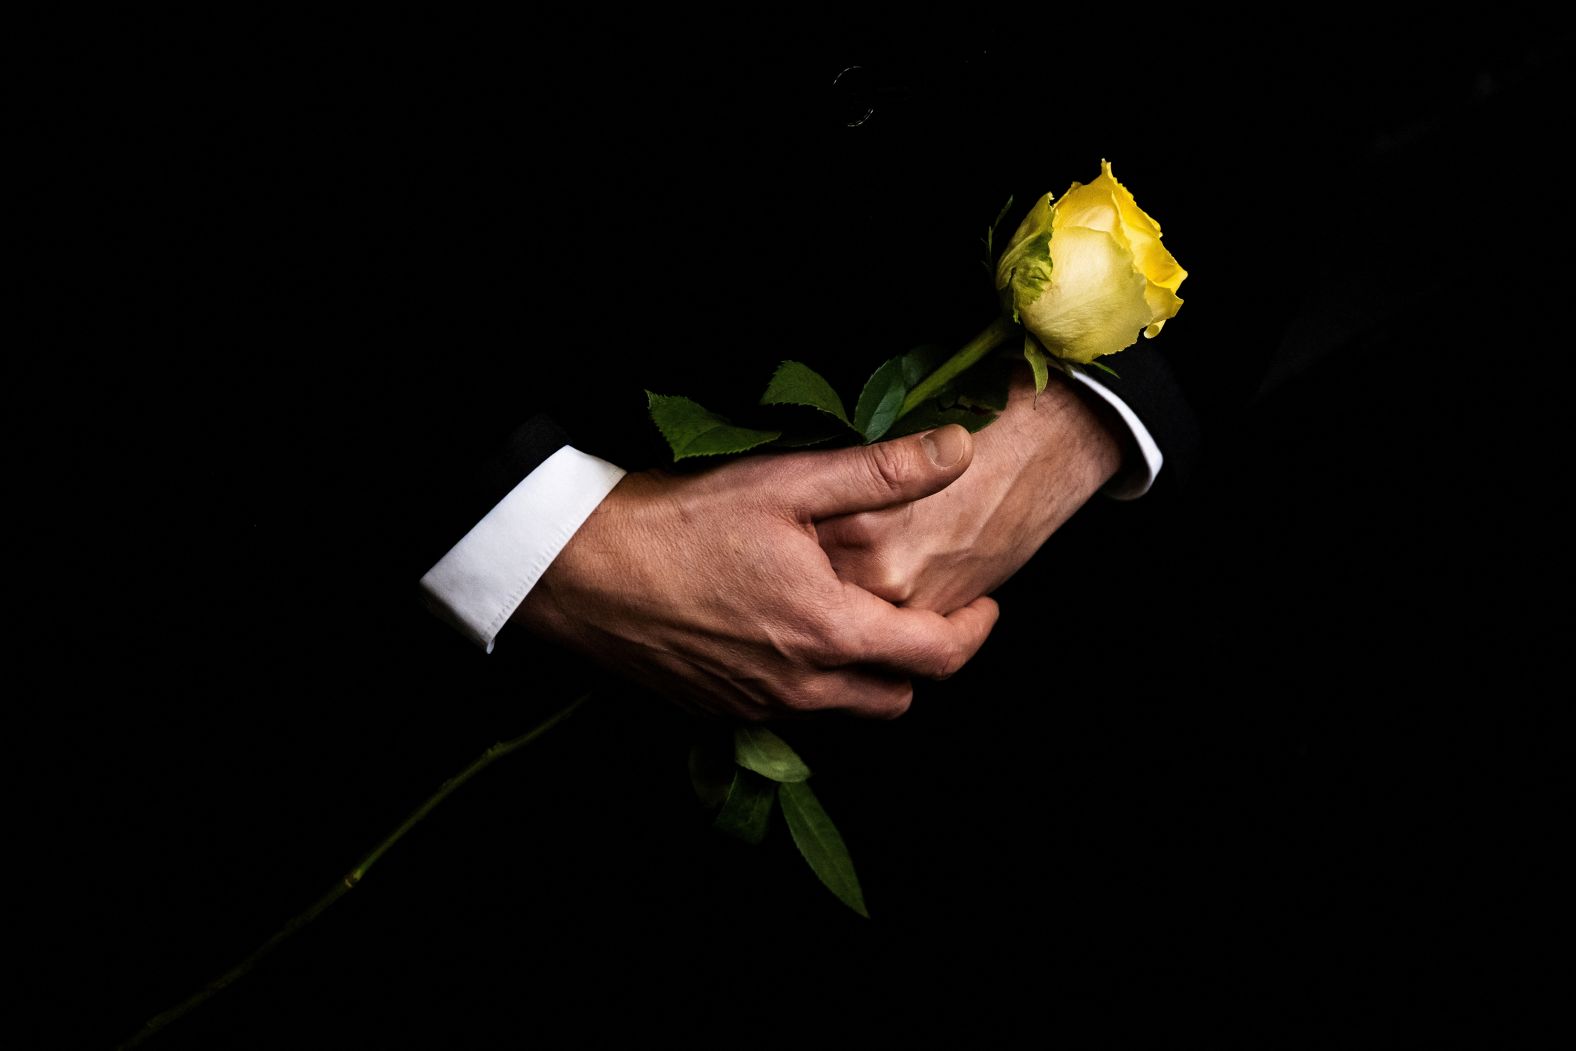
[[1087, 273]]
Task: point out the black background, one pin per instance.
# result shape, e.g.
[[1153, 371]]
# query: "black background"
[[1265, 756]]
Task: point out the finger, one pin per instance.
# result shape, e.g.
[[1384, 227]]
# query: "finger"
[[913, 641], [865, 692], [871, 477]]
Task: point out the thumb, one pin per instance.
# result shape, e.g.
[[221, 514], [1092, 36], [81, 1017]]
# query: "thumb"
[[873, 477]]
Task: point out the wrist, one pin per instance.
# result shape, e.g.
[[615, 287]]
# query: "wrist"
[[1072, 432], [577, 572]]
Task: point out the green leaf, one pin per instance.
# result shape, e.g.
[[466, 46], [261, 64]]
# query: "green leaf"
[[691, 430], [1003, 213], [757, 748], [920, 362], [988, 384], [990, 238], [1038, 360], [928, 417], [747, 811], [881, 400], [1105, 368], [818, 840], [797, 384]]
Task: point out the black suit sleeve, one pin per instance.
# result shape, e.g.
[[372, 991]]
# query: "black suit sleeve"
[[522, 452], [1147, 384]]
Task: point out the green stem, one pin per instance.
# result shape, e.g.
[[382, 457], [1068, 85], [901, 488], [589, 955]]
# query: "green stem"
[[348, 882], [991, 337]]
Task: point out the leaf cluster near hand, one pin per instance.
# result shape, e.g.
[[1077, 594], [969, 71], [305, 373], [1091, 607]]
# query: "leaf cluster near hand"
[[800, 408]]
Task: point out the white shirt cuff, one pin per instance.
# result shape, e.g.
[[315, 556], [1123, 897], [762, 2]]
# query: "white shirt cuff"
[[1136, 478], [483, 579]]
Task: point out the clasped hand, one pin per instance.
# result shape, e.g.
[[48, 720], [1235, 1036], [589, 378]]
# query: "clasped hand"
[[810, 581]]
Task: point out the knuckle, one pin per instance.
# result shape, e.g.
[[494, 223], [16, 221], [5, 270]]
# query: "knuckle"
[[827, 639], [888, 465], [808, 695], [814, 628], [864, 695], [891, 581], [837, 648], [798, 645], [898, 703], [953, 658]]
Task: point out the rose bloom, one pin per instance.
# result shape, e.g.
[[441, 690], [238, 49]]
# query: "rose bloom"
[[1087, 273]]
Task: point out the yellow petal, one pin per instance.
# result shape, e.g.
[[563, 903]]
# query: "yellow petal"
[[1091, 206], [1160, 314], [1143, 236], [1096, 304], [1155, 262], [1134, 217], [1163, 306]]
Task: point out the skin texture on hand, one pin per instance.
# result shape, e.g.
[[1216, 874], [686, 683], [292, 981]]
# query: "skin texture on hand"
[[713, 588], [1040, 461]]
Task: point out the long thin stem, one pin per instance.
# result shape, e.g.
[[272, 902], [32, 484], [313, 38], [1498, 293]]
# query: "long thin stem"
[[991, 337], [348, 882]]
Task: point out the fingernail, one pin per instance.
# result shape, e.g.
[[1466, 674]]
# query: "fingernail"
[[944, 445]]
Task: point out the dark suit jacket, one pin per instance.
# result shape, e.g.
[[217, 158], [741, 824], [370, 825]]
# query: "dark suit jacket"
[[372, 255]]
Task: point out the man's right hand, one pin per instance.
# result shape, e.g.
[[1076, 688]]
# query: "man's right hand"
[[713, 589]]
